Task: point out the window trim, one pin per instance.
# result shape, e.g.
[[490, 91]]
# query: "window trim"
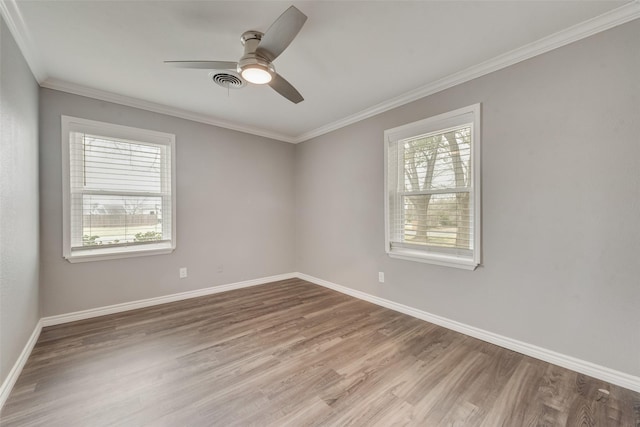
[[433, 124], [69, 124]]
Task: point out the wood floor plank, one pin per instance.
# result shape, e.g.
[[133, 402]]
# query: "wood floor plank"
[[291, 353]]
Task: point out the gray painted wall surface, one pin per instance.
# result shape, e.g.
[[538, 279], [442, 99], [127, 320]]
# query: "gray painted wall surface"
[[561, 210], [19, 247], [560, 205], [235, 209]]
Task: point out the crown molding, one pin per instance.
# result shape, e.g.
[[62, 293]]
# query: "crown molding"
[[613, 18], [12, 17], [102, 95], [610, 19]]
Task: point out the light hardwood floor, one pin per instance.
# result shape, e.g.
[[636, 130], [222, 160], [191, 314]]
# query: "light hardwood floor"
[[293, 353]]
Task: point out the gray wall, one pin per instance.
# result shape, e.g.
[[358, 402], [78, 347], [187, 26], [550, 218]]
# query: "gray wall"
[[235, 204], [19, 247], [561, 210], [560, 204]]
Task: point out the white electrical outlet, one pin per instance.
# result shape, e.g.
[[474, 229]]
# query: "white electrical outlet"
[[380, 277], [183, 272]]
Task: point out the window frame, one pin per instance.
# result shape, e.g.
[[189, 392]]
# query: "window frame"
[[441, 122], [74, 124]]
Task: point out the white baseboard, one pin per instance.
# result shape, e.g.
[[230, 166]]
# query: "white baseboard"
[[118, 308], [600, 372], [606, 374], [14, 373]]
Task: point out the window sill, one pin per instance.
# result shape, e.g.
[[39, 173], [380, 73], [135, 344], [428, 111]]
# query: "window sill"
[[101, 254], [436, 259]]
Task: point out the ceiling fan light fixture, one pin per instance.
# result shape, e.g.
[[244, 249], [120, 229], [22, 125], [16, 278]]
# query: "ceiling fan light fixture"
[[254, 68], [260, 50], [256, 74]]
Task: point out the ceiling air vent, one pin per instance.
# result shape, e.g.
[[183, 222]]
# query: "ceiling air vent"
[[228, 79]]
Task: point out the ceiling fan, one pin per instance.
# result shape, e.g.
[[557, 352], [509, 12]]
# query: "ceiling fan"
[[260, 50]]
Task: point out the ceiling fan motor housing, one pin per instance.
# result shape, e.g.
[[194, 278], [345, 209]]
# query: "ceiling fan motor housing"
[[250, 40]]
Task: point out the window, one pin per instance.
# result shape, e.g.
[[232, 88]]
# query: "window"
[[118, 191], [432, 194]]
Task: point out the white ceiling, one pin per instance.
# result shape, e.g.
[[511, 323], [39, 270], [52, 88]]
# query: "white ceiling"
[[349, 60]]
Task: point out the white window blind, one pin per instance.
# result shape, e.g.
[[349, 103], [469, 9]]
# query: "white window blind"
[[120, 198], [432, 187]]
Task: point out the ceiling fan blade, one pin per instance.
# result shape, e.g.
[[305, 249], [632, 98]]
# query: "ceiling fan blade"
[[284, 88], [281, 33], [205, 65]]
